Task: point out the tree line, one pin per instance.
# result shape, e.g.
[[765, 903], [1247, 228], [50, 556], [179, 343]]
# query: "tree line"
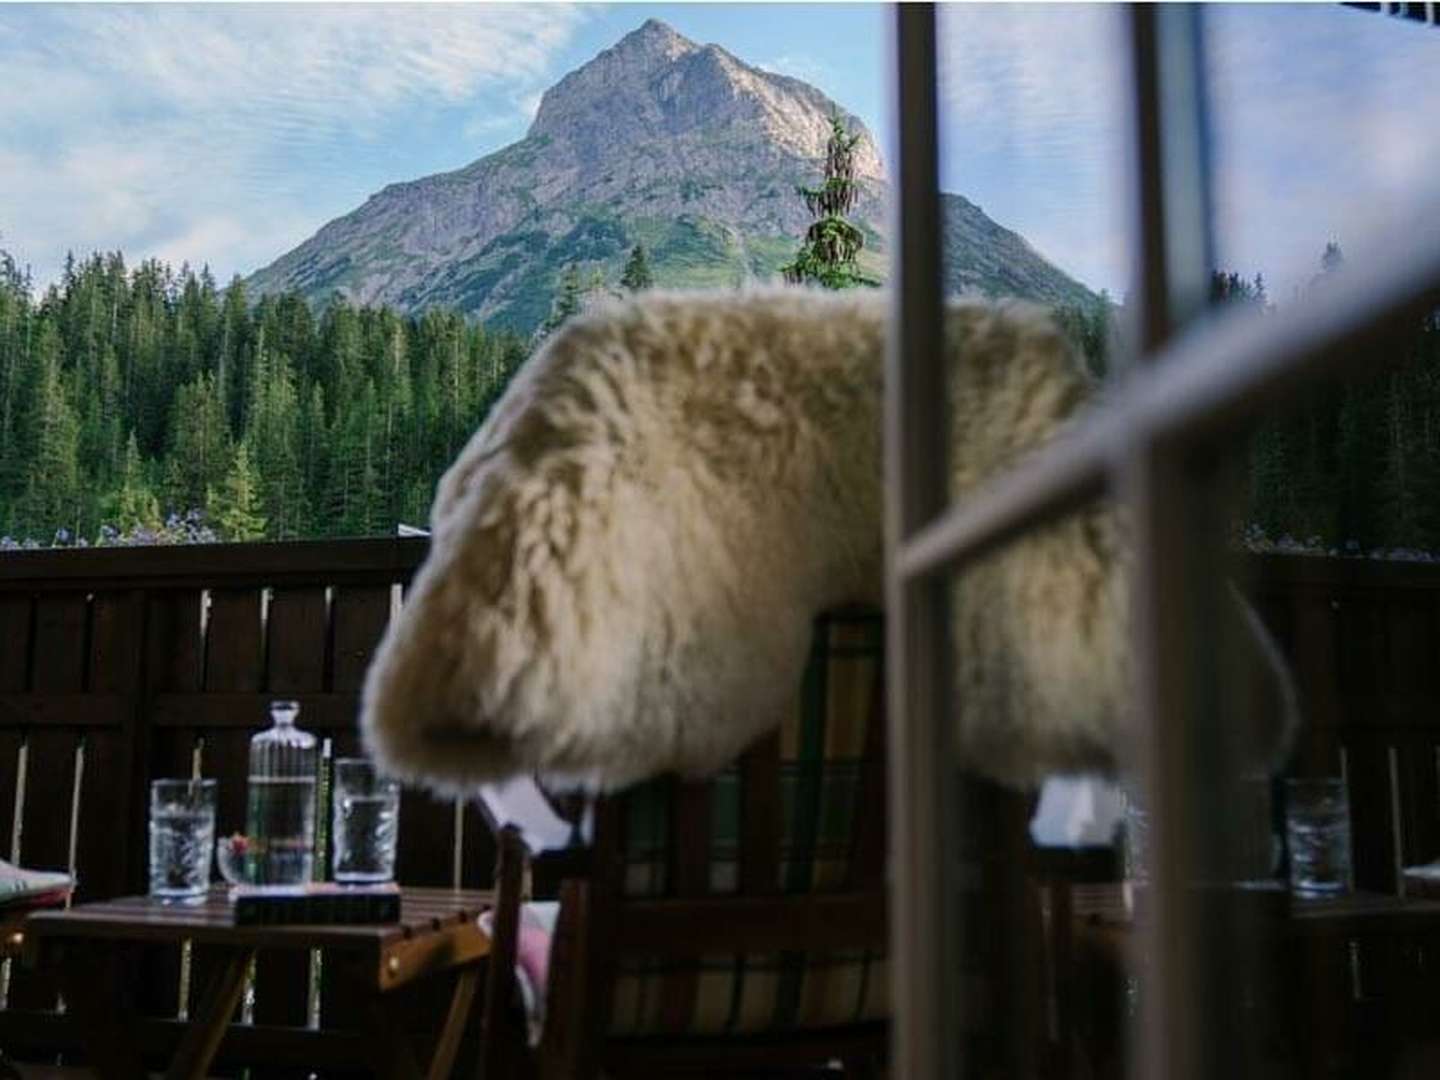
[[137, 403], [1354, 465], [143, 405]]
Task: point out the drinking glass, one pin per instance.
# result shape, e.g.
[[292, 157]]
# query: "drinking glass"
[[182, 833], [1317, 829], [366, 822]]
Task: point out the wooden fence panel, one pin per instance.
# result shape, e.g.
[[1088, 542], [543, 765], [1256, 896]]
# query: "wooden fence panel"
[[16, 615], [112, 775], [174, 662], [45, 839], [58, 667], [234, 663], [295, 664], [154, 661]]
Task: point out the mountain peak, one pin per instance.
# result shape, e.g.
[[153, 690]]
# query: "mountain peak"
[[623, 71], [658, 139], [656, 38]]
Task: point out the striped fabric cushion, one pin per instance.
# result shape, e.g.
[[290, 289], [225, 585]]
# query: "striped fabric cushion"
[[830, 743]]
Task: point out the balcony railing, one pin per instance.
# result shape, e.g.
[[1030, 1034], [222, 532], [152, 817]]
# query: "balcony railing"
[[122, 665]]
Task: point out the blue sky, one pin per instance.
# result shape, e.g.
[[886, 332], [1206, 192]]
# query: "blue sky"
[[229, 133]]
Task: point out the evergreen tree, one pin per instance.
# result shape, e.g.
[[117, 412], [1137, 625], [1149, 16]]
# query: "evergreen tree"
[[200, 445], [830, 253], [127, 393], [636, 276], [235, 508], [133, 503], [566, 303], [50, 447], [1332, 259]]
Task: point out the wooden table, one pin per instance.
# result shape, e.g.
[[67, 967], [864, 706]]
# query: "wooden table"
[[1320, 978], [87, 945]]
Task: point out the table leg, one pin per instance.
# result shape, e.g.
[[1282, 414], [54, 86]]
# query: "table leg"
[[89, 977], [203, 1036], [448, 1044], [394, 1053]]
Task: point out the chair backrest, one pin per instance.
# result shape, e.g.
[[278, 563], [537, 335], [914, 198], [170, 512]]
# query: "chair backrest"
[[753, 903], [801, 813]]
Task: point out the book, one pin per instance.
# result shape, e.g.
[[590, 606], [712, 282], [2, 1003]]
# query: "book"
[[321, 903]]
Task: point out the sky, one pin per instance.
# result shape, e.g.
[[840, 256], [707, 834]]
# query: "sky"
[[225, 134]]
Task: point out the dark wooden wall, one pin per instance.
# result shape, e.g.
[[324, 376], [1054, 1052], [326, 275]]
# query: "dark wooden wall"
[[118, 666], [1363, 639], [121, 665]]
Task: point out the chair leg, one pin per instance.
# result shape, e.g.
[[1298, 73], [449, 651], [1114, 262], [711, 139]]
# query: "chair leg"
[[503, 1045]]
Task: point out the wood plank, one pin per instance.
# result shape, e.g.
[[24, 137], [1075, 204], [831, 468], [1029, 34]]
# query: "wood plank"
[[760, 810], [1362, 636], [117, 666], [319, 712], [477, 850], [61, 645], [234, 662], [1419, 797], [359, 616], [802, 923], [1314, 618], [295, 664], [10, 742], [75, 709], [174, 661], [1370, 812], [197, 1049], [109, 855], [16, 631], [1409, 643], [42, 1035], [423, 913], [342, 1001], [45, 843], [233, 640], [424, 851], [117, 638], [302, 562], [170, 755], [174, 645], [296, 641]]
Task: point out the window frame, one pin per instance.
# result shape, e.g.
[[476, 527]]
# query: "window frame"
[[1152, 445]]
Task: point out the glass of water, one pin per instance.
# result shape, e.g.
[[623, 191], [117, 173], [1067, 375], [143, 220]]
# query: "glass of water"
[[1317, 830], [182, 835], [366, 822]]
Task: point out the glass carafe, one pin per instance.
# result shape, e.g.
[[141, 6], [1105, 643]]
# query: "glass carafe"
[[279, 845]]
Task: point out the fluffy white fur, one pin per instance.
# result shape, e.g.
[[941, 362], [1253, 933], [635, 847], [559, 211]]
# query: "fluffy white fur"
[[627, 556]]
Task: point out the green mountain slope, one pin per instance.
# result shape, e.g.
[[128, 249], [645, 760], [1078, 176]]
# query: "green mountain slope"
[[657, 140]]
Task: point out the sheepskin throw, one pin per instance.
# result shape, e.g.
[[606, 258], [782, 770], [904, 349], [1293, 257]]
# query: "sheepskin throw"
[[627, 556]]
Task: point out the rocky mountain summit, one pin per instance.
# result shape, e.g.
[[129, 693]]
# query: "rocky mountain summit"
[[657, 140]]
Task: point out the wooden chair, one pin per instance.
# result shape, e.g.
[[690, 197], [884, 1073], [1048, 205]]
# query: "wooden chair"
[[726, 924]]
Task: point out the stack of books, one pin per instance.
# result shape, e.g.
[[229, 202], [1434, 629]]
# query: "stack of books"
[[322, 903]]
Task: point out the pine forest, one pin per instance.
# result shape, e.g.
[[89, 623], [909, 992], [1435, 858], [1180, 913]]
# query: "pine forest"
[[144, 406], [148, 406]]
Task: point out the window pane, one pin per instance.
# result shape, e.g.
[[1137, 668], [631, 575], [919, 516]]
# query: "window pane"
[[1323, 137], [1035, 126]]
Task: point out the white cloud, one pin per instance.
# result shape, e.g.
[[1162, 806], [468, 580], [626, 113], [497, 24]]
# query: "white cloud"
[[1035, 126], [154, 128], [1322, 131]]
